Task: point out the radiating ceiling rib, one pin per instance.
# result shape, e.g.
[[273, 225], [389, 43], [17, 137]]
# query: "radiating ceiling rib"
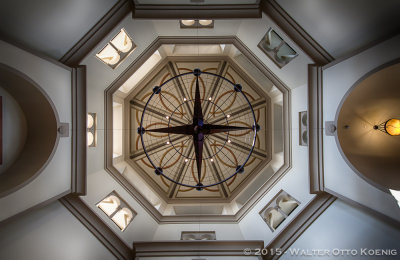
[[156, 147], [174, 188], [215, 86], [244, 147], [216, 170], [257, 104], [138, 104], [181, 88]]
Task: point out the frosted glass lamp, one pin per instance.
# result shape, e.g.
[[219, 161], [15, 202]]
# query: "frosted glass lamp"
[[391, 127]]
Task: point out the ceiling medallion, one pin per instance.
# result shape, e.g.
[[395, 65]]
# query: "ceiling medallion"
[[200, 129]]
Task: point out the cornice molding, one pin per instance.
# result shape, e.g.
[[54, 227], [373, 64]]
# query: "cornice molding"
[[315, 129], [104, 26], [97, 227], [191, 248], [227, 11], [296, 32], [299, 224], [78, 154]]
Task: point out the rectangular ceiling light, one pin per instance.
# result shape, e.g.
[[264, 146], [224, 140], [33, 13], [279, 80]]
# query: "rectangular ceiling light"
[[117, 210], [91, 129], [116, 51], [196, 24]]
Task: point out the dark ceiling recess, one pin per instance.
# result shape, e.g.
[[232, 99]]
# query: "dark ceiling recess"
[[193, 124]]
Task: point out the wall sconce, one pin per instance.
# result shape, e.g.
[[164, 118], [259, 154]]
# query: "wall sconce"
[[120, 47], [91, 129], [390, 127], [191, 24]]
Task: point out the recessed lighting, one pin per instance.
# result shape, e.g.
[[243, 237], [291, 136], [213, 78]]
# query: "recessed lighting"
[[205, 22], [167, 142], [116, 50], [167, 117], [186, 160], [188, 22], [210, 98], [184, 99], [212, 160], [228, 116], [229, 141]]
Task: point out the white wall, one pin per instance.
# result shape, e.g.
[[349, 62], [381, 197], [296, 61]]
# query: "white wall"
[[337, 80], [50, 26], [14, 130], [343, 226], [49, 233], [55, 179], [343, 26]]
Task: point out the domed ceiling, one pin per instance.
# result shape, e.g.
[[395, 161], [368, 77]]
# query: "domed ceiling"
[[176, 153], [223, 152]]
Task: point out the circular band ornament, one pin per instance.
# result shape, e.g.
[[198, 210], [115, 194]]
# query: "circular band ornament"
[[182, 113]]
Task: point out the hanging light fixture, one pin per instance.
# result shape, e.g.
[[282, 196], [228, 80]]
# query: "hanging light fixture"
[[193, 135], [391, 127]]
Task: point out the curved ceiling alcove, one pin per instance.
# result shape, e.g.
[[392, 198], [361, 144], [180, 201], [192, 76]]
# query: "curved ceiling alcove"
[[41, 130], [373, 154]]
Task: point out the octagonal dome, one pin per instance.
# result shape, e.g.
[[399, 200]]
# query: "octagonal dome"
[[129, 162]]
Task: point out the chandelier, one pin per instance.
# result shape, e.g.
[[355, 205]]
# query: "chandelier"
[[209, 126]]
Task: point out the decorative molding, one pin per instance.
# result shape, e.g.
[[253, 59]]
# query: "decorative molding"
[[97, 33], [199, 218], [299, 224], [198, 235], [191, 248], [228, 11], [330, 128], [315, 129], [97, 227], [296, 32], [78, 160], [63, 129]]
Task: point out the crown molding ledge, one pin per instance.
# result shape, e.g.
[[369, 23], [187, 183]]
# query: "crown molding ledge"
[[228, 11], [192, 248], [315, 129], [78, 154]]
